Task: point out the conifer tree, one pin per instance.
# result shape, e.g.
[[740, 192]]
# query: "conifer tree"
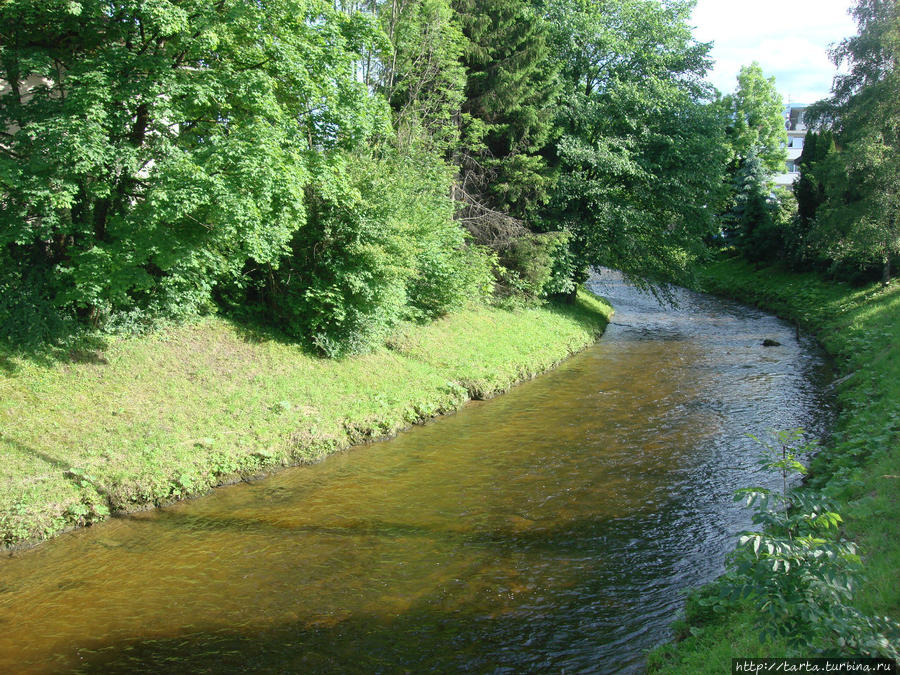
[[809, 188], [510, 97], [753, 211]]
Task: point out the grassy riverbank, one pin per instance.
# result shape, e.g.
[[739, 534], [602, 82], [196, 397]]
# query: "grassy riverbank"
[[138, 422], [860, 466]]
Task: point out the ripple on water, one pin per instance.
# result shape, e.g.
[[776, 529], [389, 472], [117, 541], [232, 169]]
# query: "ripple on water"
[[556, 527]]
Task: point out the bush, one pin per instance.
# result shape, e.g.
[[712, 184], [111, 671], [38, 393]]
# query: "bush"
[[537, 265], [28, 317], [799, 573], [379, 246]]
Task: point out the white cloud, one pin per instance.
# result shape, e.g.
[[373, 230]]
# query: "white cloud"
[[789, 38]]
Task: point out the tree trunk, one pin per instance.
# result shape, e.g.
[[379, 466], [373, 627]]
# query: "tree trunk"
[[886, 272]]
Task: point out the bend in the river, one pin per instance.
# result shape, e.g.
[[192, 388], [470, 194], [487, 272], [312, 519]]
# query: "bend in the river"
[[553, 528]]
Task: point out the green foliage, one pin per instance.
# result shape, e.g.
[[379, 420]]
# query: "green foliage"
[[448, 276], [756, 140], [161, 159], [424, 78], [797, 570], [536, 266], [809, 188], [642, 149], [152, 149], [510, 96], [753, 217], [27, 316], [756, 125], [857, 221], [379, 246]]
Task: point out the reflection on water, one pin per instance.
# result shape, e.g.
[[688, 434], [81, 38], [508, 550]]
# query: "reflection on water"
[[554, 528]]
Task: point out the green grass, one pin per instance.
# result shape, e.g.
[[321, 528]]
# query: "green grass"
[[860, 466], [144, 421]]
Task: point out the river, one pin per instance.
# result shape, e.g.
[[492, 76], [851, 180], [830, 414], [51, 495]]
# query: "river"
[[552, 529]]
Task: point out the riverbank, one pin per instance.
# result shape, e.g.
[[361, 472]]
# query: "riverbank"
[[858, 468], [142, 422]]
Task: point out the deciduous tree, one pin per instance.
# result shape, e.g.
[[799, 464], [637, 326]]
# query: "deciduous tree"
[[151, 149], [756, 112], [642, 149]]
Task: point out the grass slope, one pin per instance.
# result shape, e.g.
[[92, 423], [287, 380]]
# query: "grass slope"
[[860, 467], [145, 421]]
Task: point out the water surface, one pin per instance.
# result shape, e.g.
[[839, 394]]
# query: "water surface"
[[552, 529]]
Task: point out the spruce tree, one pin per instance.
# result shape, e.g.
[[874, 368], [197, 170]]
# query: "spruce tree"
[[809, 188], [752, 215], [510, 96]]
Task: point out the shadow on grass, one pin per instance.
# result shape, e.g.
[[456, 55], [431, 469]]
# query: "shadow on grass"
[[580, 312], [77, 346], [33, 329], [69, 472], [253, 329], [6, 364], [48, 343]]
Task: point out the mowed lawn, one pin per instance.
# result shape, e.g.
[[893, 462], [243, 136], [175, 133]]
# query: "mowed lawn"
[[138, 422]]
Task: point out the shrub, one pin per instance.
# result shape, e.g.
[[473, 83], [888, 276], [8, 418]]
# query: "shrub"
[[537, 265], [379, 246], [798, 571]]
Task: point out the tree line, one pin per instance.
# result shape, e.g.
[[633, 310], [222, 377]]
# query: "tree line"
[[334, 168], [840, 216]]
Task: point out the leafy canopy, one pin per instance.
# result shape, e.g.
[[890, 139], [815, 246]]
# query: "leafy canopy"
[[152, 149], [756, 112], [641, 154]]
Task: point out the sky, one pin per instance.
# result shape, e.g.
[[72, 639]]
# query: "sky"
[[789, 38]]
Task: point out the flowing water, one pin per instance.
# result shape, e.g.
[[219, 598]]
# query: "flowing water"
[[553, 529]]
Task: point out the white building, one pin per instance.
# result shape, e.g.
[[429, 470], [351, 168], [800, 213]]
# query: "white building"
[[796, 131]]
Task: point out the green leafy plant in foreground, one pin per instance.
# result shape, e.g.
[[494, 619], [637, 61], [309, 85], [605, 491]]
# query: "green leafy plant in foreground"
[[798, 571]]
